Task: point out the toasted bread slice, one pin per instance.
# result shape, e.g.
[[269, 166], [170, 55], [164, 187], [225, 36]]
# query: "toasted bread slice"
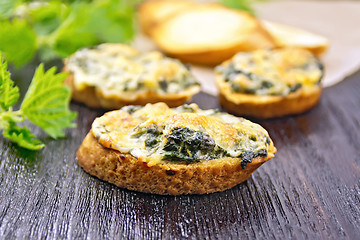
[[270, 83], [114, 75], [150, 13], [186, 150], [288, 36], [209, 34]]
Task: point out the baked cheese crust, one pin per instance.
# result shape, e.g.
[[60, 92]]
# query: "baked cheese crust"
[[270, 83], [113, 75], [180, 141]]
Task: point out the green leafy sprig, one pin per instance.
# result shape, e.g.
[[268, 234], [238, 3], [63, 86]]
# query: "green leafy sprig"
[[245, 5], [56, 29], [46, 104]]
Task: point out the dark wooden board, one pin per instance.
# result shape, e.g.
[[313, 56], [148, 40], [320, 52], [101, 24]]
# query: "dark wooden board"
[[310, 190]]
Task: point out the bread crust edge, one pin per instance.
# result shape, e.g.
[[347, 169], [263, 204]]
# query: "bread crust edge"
[[276, 106]]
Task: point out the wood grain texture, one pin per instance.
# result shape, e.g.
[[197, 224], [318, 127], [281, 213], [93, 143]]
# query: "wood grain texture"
[[310, 190]]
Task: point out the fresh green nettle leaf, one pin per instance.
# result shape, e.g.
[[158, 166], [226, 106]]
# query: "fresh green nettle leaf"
[[9, 94], [17, 41], [46, 104], [45, 18], [90, 24], [244, 5], [22, 136], [59, 28], [7, 7]]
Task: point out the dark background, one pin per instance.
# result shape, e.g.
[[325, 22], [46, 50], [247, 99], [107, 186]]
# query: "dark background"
[[310, 190]]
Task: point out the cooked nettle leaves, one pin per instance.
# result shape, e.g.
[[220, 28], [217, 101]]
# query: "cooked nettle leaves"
[[58, 28], [46, 104], [256, 84], [183, 144], [189, 145], [247, 156], [151, 135]]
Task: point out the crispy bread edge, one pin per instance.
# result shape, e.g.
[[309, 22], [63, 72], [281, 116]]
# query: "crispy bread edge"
[[294, 103]]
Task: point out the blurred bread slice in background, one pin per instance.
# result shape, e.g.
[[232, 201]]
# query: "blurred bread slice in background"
[[288, 36], [150, 13], [209, 34]]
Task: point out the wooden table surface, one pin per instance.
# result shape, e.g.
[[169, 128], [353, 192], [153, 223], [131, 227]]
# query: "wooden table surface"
[[310, 190]]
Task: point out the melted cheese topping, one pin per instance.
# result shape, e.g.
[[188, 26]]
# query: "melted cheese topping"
[[151, 133], [121, 71], [270, 72]]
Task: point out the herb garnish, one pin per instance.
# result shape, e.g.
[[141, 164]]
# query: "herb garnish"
[[59, 28], [46, 104], [244, 5]]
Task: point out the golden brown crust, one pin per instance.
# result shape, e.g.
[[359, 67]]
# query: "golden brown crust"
[[270, 106], [92, 97], [129, 172], [213, 57], [249, 36], [288, 36], [151, 13]]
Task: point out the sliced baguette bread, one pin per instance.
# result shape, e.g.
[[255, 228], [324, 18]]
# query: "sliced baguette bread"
[[288, 36], [151, 13], [209, 34], [181, 39]]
